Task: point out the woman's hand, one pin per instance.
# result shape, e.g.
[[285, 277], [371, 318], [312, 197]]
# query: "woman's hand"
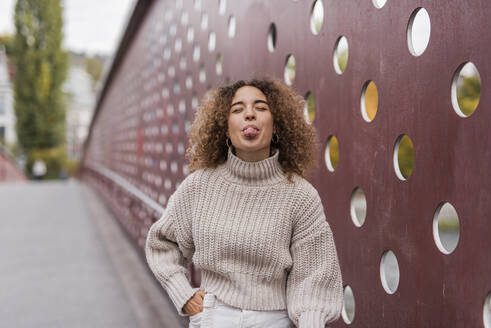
[[195, 304]]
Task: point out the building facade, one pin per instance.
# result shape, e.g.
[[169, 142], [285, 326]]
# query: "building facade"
[[80, 107], [7, 114]]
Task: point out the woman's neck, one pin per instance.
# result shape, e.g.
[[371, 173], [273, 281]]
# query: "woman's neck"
[[258, 173], [253, 156]]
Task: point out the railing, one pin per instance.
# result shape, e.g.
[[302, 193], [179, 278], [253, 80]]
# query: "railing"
[[134, 210], [9, 172]]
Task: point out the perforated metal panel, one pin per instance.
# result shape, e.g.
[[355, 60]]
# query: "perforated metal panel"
[[148, 106]]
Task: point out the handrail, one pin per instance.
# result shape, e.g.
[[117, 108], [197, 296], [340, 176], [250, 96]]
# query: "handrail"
[[123, 183], [6, 152]]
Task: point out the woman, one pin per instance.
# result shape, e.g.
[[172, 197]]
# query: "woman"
[[248, 218]]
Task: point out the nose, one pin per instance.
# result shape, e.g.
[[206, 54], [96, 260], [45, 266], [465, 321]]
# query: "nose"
[[249, 113]]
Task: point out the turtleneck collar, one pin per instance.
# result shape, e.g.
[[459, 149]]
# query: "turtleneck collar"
[[265, 172]]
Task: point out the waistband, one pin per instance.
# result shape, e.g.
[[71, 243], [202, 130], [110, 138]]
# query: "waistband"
[[246, 291], [210, 300]]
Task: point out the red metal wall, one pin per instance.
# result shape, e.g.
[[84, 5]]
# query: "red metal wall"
[[148, 106]]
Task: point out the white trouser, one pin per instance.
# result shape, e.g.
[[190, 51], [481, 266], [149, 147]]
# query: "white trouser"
[[217, 314]]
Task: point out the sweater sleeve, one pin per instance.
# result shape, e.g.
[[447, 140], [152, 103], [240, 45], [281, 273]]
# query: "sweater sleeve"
[[314, 285], [169, 247]]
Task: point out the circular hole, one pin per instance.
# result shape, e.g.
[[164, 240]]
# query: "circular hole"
[[165, 93], [369, 101], [173, 167], [168, 16], [358, 208], [222, 7], [403, 157], [202, 75], [219, 65], [175, 130], [289, 70], [379, 3], [348, 312], [177, 87], [189, 82], [171, 71], [204, 21], [164, 130], [190, 34], [187, 126], [316, 17], [212, 41], [331, 155], [182, 106], [340, 58], [309, 108], [196, 52], [178, 45], [197, 4], [418, 31], [162, 199], [173, 30], [486, 312], [446, 228], [170, 109], [185, 18], [466, 89], [167, 53], [163, 39], [389, 272], [231, 26], [272, 37], [194, 102]]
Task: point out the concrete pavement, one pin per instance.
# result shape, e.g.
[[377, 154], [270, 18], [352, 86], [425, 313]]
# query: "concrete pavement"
[[65, 262]]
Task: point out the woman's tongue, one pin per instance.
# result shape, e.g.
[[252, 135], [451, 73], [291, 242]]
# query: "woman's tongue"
[[250, 132]]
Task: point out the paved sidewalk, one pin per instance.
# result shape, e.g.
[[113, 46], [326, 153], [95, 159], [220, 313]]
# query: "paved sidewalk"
[[65, 262]]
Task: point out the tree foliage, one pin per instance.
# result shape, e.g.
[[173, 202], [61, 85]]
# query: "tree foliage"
[[6, 41], [41, 68]]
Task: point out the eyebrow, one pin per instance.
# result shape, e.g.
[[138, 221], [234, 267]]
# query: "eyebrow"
[[257, 101]]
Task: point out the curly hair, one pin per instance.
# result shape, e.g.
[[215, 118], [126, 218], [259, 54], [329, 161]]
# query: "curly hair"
[[298, 143]]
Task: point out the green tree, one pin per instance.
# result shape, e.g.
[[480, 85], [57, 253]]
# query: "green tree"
[[41, 68], [6, 41], [468, 94]]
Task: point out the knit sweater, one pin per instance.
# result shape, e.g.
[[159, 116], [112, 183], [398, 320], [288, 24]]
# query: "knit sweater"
[[260, 242]]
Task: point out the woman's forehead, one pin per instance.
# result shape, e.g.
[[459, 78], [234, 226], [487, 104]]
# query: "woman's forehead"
[[248, 92]]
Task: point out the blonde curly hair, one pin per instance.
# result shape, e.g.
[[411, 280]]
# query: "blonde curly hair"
[[298, 143]]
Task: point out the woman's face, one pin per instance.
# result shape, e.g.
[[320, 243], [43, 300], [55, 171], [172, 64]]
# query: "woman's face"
[[250, 124]]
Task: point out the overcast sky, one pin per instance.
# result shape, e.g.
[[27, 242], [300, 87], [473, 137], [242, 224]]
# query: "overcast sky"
[[91, 26]]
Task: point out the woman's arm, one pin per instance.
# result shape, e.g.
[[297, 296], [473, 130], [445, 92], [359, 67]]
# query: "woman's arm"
[[314, 285], [169, 246]]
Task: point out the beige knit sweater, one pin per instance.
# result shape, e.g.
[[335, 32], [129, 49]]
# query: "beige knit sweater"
[[261, 243]]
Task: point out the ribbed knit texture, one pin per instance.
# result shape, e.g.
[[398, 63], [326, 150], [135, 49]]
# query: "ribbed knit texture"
[[260, 242]]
